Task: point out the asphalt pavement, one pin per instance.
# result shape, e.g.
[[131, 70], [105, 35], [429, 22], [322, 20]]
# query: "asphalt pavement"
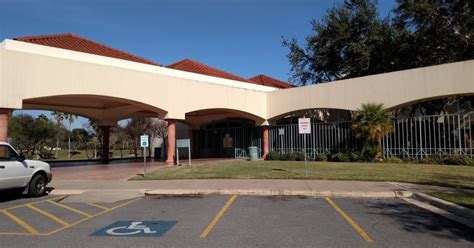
[[226, 221]]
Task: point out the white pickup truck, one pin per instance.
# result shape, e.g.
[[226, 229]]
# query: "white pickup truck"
[[16, 172]]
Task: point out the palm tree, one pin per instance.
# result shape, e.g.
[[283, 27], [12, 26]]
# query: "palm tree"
[[372, 122], [70, 118], [58, 116]]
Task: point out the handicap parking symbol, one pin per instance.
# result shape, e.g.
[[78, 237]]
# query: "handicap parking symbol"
[[136, 229]]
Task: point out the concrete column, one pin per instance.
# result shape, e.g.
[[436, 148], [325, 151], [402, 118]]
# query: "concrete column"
[[171, 141], [104, 155], [266, 141], [4, 115]]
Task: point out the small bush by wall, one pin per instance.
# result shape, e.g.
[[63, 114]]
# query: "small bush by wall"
[[299, 156], [321, 157], [288, 156], [448, 160], [339, 157], [366, 155], [273, 156]]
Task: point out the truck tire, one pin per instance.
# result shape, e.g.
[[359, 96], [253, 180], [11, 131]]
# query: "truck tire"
[[37, 186]]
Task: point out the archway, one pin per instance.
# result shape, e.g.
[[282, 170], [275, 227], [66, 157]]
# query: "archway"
[[106, 111], [224, 132]]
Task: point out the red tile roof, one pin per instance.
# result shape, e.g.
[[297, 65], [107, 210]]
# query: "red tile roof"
[[76, 43], [190, 65], [269, 81]]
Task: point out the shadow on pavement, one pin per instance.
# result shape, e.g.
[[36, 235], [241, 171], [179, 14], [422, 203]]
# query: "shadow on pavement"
[[11, 195], [17, 194], [416, 220]]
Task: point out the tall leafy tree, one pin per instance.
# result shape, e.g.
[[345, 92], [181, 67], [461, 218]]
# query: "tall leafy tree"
[[70, 118], [32, 136], [58, 117], [350, 41], [135, 128], [434, 31]]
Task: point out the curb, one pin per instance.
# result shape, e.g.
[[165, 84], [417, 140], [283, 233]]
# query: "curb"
[[460, 211], [351, 194]]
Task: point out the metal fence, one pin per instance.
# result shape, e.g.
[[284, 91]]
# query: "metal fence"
[[423, 136], [229, 142], [328, 137], [414, 137]]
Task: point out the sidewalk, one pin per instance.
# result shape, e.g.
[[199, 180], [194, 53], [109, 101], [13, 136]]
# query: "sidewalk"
[[115, 190], [249, 187]]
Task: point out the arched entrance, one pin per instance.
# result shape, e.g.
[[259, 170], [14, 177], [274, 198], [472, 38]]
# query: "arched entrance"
[[106, 111], [224, 133]]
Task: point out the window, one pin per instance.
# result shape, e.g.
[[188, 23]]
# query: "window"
[[7, 154]]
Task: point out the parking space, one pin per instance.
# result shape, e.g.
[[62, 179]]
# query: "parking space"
[[233, 221], [48, 216]]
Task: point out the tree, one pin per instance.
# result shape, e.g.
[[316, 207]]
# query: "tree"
[[82, 137], [372, 123], [96, 140], [352, 41], [70, 118], [32, 136], [134, 129], [58, 117], [435, 31], [121, 140]]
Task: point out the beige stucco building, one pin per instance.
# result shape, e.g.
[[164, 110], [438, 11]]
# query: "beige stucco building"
[[108, 89]]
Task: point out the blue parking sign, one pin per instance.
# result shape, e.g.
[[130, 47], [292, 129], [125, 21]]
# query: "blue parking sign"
[[144, 140], [136, 229]]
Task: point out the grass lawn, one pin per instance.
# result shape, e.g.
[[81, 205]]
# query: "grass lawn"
[[442, 175], [463, 199], [63, 154]]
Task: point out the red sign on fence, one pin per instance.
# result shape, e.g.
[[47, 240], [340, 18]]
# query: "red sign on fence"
[[304, 125]]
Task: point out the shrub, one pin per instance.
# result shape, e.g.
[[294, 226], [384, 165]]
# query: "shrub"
[[368, 153], [287, 156], [339, 157], [299, 156], [354, 156], [393, 160], [273, 156], [456, 160], [431, 160], [321, 157]]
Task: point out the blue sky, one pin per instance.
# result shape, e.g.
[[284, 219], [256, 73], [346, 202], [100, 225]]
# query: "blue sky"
[[239, 36]]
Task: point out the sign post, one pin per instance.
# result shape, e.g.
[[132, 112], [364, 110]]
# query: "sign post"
[[183, 143], [304, 127], [281, 133], [144, 145]]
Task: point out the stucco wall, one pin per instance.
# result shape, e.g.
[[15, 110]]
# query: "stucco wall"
[[31, 71], [30, 75], [391, 89]]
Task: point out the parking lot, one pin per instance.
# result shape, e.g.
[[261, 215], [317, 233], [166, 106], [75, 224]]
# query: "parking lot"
[[226, 221]]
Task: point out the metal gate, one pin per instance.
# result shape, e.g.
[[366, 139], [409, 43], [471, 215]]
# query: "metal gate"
[[423, 136], [229, 142], [414, 137], [330, 137]]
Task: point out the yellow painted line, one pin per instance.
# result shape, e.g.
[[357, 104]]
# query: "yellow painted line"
[[49, 215], [19, 234], [75, 210], [20, 222], [98, 206], [24, 205], [354, 225], [32, 231], [88, 218], [217, 218]]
